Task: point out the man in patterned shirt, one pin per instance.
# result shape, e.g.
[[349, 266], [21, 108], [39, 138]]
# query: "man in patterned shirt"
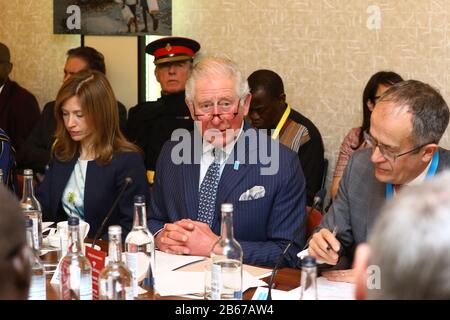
[[269, 110]]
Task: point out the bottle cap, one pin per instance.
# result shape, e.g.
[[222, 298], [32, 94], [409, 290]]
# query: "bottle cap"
[[226, 207], [28, 223], [139, 198], [309, 261], [28, 172], [115, 230], [73, 221]]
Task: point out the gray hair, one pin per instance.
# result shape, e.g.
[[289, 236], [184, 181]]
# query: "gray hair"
[[410, 243], [429, 110], [213, 67]]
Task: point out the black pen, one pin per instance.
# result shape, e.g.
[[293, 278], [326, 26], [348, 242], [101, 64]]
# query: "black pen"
[[335, 229]]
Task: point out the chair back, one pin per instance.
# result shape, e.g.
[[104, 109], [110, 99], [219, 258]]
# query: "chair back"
[[8, 161], [313, 220]]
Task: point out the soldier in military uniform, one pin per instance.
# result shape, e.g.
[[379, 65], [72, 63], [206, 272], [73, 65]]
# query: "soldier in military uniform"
[[150, 124]]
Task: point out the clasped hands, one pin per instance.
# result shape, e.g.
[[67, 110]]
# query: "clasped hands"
[[186, 237]]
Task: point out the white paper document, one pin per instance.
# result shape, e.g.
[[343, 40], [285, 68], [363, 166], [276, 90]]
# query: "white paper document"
[[169, 262], [327, 290], [332, 290], [179, 283], [261, 294]]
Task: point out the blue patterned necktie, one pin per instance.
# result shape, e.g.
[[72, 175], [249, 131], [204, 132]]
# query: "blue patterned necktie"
[[208, 191]]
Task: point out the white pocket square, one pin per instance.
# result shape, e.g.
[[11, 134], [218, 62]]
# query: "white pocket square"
[[252, 194]]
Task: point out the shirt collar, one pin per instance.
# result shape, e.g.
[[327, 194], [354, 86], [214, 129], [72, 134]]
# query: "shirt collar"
[[1, 88], [420, 178]]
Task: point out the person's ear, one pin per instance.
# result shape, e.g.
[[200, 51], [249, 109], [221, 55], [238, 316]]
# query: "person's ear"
[[370, 105], [20, 261], [428, 152], [22, 273], [191, 107], [283, 97], [157, 73], [246, 105], [360, 264], [8, 68]]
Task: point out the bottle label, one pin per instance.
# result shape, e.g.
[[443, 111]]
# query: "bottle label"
[[37, 288], [86, 288], [64, 280], [103, 290], [74, 286], [216, 276], [131, 259], [74, 277], [129, 293], [308, 284], [115, 289]]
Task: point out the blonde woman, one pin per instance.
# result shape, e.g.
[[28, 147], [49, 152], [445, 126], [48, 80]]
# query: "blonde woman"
[[91, 159]]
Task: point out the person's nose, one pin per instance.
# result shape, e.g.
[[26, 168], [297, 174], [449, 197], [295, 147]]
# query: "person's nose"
[[172, 69], [216, 120], [377, 156], [253, 115], [71, 121]]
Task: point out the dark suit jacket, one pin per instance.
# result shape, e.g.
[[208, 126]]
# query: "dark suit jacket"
[[19, 111], [102, 186], [360, 199], [150, 124], [38, 146], [263, 226], [311, 155]]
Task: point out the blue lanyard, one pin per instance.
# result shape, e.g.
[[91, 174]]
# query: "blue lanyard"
[[431, 172]]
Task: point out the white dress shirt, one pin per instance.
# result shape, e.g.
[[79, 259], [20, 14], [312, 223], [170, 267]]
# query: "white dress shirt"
[[208, 157]]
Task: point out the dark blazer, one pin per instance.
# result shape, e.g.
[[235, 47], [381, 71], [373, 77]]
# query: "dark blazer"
[[311, 155], [263, 226], [39, 144], [150, 124], [360, 199], [102, 186], [19, 111]]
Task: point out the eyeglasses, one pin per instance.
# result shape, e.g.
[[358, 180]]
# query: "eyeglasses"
[[225, 106], [389, 155]]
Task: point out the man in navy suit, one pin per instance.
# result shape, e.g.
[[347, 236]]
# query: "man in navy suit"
[[267, 193]]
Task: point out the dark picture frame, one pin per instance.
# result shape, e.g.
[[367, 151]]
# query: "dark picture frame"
[[113, 17]]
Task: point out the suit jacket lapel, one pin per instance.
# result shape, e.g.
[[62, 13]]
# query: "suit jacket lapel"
[[60, 181], [376, 201], [232, 175], [191, 175]]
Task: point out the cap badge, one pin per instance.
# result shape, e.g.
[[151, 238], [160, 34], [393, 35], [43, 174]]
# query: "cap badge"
[[168, 47]]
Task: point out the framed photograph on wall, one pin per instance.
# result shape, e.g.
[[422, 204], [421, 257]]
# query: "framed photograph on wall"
[[113, 17]]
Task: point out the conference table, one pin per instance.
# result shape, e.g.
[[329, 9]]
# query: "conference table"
[[286, 279]]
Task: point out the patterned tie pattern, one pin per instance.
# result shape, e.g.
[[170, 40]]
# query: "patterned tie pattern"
[[208, 191]]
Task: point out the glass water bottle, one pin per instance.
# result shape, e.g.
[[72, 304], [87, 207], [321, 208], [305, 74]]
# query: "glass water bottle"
[[115, 280], [37, 289], [309, 279], [31, 207], [226, 261], [75, 268], [140, 245]]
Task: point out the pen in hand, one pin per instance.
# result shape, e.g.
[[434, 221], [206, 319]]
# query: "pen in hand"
[[335, 229]]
